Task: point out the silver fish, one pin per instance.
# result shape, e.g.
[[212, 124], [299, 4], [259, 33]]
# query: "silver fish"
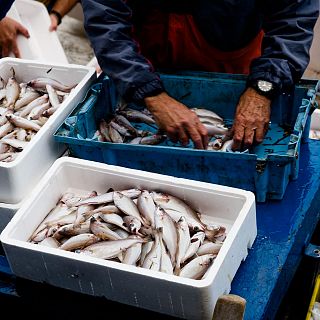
[[12, 92], [4, 148], [107, 209], [5, 129], [26, 99], [110, 249], [20, 145], [67, 219], [102, 231], [209, 248], [137, 116], [49, 112], [146, 207], [227, 146], [122, 233], [203, 113], [115, 135], [183, 241], [172, 204], [23, 123], [214, 231], [114, 219], [35, 103], [152, 140], [126, 205], [104, 130], [38, 111], [71, 230], [169, 232], [217, 129], [79, 242], [132, 254], [136, 140], [132, 223], [53, 97], [50, 242], [40, 83], [122, 130], [126, 123], [153, 258], [165, 263], [195, 242], [146, 248], [197, 267], [22, 135]]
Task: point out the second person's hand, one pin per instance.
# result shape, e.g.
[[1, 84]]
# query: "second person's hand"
[[179, 122], [9, 30]]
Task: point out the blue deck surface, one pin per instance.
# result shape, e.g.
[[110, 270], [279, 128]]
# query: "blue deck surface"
[[284, 227]]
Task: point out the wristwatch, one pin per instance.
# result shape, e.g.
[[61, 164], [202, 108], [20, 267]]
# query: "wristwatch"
[[57, 14], [265, 88]]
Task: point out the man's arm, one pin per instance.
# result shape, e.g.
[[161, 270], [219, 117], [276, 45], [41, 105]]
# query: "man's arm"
[[109, 28], [61, 7], [288, 27]]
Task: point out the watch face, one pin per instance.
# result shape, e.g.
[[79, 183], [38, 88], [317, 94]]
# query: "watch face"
[[265, 86]]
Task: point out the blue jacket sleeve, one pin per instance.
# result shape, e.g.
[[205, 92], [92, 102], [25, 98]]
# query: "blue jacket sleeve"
[[288, 27], [5, 7], [108, 25]]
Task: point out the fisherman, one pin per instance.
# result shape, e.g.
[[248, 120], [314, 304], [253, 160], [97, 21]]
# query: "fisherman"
[[10, 29], [267, 40]]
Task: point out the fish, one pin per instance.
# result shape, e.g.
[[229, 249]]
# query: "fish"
[[227, 146], [152, 140], [26, 99], [169, 232], [183, 242], [108, 197], [114, 219], [115, 136], [50, 242], [146, 248], [110, 249], [71, 230], [122, 233], [17, 144], [146, 207], [217, 129], [23, 123], [102, 231], [153, 259], [132, 223], [79, 242], [40, 83], [132, 254], [209, 248], [137, 116], [126, 123], [165, 262], [205, 113], [104, 130], [53, 96], [122, 130], [126, 205], [33, 104], [5, 129], [36, 112], [195, 242], [176, 208], [107, 209], [22, 135], [197, 267], [12, 92], [214, 231], [136, 140]]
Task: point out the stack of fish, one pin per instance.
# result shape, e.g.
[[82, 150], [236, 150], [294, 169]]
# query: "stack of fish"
[[125, 127], [143, 228], [24, 109]]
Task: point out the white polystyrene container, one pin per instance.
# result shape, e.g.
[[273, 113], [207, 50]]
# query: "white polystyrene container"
[[17, 178], [42, 45], [168, 294], [7, 211], [315, 125]]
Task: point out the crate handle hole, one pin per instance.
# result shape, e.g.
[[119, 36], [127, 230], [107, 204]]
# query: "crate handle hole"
[[317, 252]]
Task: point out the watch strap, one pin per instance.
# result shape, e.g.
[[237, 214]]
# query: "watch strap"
[[57, 14]]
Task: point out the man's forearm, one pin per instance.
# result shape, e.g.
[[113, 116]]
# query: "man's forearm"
[[64, 6]]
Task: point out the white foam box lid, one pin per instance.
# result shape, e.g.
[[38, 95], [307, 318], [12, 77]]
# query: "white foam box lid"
[[42, 45], [17, 178], [160, 292]]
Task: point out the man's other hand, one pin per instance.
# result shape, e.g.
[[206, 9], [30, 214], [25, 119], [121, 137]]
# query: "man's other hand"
[[9, 29], [251, 120], [179, 122]]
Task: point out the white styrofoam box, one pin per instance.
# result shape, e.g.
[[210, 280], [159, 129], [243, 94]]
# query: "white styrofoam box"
[[42, 44], [18, 177], [7, 211], [315, 125], [160, 292]]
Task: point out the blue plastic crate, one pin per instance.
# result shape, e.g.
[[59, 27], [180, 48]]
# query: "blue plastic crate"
[[265, 171]]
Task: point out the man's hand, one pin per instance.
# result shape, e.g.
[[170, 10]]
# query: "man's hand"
[[9, 29], [54, 22], [251, 120], [179, 122]]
